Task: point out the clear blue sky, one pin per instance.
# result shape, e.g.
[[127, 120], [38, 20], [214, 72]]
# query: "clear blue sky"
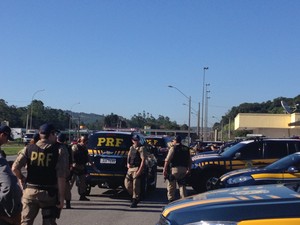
[[119, 56]]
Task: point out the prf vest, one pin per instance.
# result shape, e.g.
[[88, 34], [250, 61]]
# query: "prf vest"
[[81, 155], [181, 156], [41, 165], [136, 160]]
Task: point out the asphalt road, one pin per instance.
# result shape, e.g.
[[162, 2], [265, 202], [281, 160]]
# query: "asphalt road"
[[108, 207]]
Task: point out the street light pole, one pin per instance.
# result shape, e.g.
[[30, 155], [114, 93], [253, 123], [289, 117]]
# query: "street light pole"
[[198, 122], [189, 131], [190, 102], [206, 112], [31, 109], [202, 118], [70, 120]]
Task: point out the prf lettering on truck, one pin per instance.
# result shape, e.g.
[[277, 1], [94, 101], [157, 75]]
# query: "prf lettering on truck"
[[110, 142]]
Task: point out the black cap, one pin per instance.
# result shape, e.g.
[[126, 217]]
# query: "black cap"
[[6, 130], [177, 138], [136, 137], [47, 128], [36, 137], [61, 137]]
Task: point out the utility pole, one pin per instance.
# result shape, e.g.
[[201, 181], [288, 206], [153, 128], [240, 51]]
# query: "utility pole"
[[203, 101]]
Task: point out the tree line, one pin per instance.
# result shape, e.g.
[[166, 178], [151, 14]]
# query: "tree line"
[[36, 114], [64, 119]]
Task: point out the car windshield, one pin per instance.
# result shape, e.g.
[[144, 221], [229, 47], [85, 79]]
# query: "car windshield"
[[286, 162], [160, 142], [29, 135], [232, 150]]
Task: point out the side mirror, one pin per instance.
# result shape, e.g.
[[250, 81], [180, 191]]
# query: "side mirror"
[[292, 169], [237, 155]]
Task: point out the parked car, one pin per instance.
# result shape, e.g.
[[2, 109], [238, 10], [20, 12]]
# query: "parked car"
[[27, 137], [262, 204], [160, 147], [286, 169], [109, 150], [245, 154]]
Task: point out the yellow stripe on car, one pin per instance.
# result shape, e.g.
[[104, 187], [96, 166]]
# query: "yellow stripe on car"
[[189, 204]]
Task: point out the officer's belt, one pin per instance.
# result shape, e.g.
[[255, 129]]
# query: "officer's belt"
[[41, 187], [133, 166]]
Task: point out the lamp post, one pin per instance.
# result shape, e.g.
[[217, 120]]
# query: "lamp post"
[[198, 122], [206, 111], [70, 120], [197, 113], [31, 110], [204, 68], [190, 101]]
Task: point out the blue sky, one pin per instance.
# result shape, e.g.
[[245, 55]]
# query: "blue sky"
[[119, 56]]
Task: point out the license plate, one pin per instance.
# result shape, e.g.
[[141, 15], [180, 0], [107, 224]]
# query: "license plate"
[[108, 161]]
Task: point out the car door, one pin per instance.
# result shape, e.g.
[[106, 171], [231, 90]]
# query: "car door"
[[251, 155], [292, 173]]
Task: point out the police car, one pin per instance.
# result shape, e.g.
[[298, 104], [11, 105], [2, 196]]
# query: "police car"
[[245, 154], [109, 150], [284, 170], [161, 145], [261, 204]]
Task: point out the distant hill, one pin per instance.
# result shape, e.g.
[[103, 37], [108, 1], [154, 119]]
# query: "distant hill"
[[87, 118]]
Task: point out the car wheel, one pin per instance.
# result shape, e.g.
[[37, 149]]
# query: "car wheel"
[[197, 183]]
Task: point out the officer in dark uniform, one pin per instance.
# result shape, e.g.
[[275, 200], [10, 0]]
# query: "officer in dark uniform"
[[61, 139], [135, 164], [46, 164], [177, 165], [10, 191], [80, 158]]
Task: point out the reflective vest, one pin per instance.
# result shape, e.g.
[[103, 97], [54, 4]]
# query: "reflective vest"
[[81, 155]]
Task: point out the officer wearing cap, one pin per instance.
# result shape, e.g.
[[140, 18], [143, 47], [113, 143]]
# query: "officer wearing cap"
[[135, 166], [80, 158], [45, 162], [61, 139], [177, 166], [5, 135], [10, 191]]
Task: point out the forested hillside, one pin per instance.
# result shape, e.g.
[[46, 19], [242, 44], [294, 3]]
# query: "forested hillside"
[[20, 116]]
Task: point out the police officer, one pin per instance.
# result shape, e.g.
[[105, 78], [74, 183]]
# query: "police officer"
[[61, 139], [45, 162], [135, 166], [80, 158], [177, 166], [10, 191]]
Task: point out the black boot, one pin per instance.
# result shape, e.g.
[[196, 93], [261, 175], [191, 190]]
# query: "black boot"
[[83, 198], [134, 203], [68, 204]]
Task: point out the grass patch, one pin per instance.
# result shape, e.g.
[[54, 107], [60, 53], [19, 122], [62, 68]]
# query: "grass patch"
[[12, 148]]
